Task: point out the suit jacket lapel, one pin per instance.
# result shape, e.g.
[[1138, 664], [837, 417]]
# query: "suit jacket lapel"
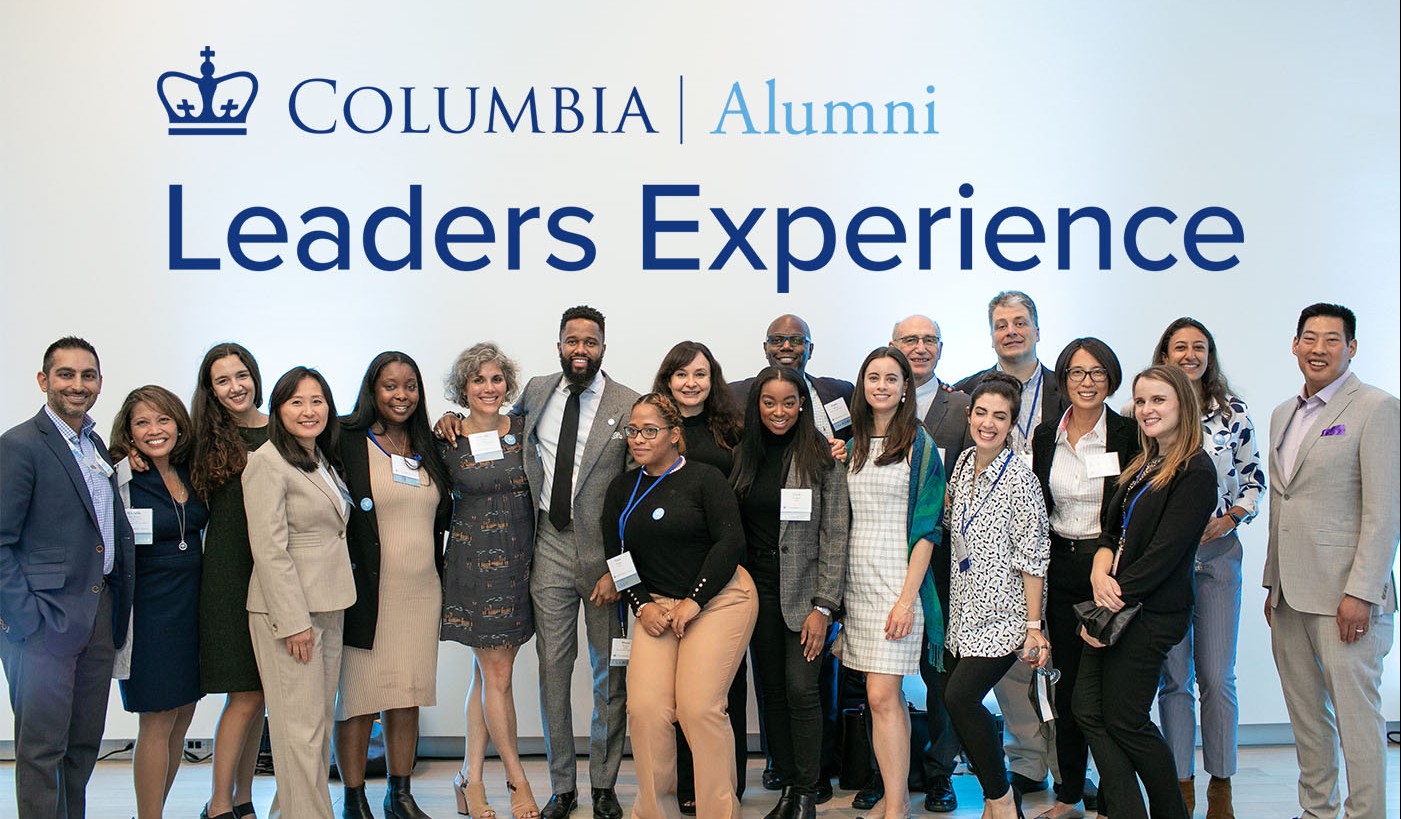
[[1327, 417], [938, 408], [537, 395], [320, 483], [56, 442], [600, 432]]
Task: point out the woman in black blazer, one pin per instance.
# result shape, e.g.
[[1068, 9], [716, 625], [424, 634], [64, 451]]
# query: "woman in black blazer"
[[1151, 530], [1077, 458], [400, 506]]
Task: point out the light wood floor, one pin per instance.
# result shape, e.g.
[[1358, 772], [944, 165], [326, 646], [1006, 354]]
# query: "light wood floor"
[[1264, 789]]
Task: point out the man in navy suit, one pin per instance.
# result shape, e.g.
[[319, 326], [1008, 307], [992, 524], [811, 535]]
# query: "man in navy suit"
[[67, 559], [788, 343]]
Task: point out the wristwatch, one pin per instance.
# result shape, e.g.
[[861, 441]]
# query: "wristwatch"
[[823, 610]]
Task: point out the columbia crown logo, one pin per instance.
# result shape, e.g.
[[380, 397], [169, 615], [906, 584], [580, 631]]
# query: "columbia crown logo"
[[207, 104]]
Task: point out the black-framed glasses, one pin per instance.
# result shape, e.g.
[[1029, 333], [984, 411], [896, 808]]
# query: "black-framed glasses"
[[648, 433], [1075, 375], [779, 340], [915, 341]]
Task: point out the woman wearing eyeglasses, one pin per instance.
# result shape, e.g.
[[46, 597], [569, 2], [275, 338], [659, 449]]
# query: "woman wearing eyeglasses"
[[676, 527], [1077, 459], [1206, 659], [711, 421]]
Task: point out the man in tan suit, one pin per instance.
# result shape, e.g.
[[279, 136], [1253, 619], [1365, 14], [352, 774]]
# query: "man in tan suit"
[[1333, 536]]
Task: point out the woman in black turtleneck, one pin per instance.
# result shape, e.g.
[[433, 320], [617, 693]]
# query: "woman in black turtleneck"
[[710, 425], [793, 504]]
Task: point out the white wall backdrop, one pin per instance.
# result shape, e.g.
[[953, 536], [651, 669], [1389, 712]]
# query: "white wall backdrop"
[[1285, 113]]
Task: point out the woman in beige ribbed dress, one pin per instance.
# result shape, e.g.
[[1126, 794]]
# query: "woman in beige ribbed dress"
[[400, 503]]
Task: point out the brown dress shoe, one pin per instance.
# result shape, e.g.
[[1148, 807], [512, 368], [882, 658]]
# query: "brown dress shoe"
[[1189, 794], [1218, 799]]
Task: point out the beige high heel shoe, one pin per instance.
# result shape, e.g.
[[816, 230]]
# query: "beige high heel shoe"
[[523, 804]]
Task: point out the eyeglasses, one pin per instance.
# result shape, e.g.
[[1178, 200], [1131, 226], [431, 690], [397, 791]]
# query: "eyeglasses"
[[1077, 374], [647, 433], [779, 341], [915, 341]]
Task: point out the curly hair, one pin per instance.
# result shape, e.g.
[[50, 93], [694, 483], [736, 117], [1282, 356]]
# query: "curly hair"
[[470, 362]]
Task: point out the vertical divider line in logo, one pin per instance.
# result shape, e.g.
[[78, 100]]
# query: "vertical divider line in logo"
[[681, 109]]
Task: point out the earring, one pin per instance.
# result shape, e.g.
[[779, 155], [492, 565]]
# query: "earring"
[[902, 399]]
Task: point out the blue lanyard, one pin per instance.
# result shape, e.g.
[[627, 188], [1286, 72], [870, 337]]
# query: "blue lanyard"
[[634, 501], [968, 519], [1124, 522], [1035, 399]]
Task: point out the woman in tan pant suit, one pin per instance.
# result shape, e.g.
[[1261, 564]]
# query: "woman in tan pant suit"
[[297, 506], [679, 522]]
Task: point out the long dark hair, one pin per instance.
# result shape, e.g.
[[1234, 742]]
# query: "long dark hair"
[[807, 454], [286, 444], [1212, 387], [120, 443], [900, 436], [722, 412], [219, 451], [365, 414]]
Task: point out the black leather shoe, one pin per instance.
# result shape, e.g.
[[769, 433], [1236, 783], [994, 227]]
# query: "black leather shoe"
[[605, 804], [939, 796], [204, 814], [805, 806], [822, 794], [246, 809], [784, 807], [772, 781], [560, 805], [1090, 797], [870, 793], [354, 805], [1025, 784]]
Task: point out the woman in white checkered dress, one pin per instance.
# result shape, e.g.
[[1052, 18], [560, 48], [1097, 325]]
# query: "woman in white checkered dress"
[[876, 568]]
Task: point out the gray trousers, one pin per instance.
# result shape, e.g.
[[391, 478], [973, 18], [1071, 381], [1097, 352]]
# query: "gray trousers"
[[60, 708], [1333, 692], [1205, 660], [558, 586], [1030, 743]]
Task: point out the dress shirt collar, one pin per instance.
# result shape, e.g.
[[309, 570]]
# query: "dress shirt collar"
[[1039, 373], [595, 387], [1100, 431], [1326, 394], [75, 437]]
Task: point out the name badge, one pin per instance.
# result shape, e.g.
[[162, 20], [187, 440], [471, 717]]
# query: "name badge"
[[623, 571], [795, 504], [485, 446], [1103, 466], [143, 525], [405, 471], [961, 558], [621, 652], [838, 414], [105, 468]]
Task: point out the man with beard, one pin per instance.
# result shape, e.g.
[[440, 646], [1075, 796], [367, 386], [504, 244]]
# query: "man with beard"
[[574, 447], [67, 561]]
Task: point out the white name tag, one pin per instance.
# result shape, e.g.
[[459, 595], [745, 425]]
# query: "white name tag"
[[795, 504], [143, 525], [623, 571], [622, 652], [1103, 466], [838, 414], [485, 446], [405, 472], [961, 558]]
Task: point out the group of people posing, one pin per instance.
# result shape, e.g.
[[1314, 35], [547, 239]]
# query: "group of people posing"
[[992, 535]]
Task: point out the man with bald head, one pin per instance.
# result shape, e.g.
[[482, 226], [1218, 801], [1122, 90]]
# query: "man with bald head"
[[788, 343]]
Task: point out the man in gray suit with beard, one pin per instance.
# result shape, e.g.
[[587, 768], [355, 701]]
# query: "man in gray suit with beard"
[[574, 448], [1333, 533]]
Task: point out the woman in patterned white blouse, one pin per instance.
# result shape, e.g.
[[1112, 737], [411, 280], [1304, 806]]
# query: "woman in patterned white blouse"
[[1000, 549], [1207, 654]]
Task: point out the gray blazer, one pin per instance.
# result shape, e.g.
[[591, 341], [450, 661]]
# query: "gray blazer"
[[947, 423], [296, 531], [812, 553], [605, 457], [1334, 522]]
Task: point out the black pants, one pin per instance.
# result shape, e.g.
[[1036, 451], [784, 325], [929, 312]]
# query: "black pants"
[[1068, 583], [792, 707], [967, 680], [738, 705], [1114, 691]]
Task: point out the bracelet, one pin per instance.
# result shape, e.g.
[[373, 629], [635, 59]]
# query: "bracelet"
[[1234, 517], [1033, 624]]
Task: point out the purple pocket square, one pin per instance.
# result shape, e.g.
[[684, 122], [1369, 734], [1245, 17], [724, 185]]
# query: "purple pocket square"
[[1334, 430]]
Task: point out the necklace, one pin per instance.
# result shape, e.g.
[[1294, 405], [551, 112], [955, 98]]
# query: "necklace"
[[180, 520], [402, 452]]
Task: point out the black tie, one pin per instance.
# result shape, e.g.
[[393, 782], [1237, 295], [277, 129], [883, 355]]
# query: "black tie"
[[562, 488]]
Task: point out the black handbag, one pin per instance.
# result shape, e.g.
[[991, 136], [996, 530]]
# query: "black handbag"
[[1102, 624]]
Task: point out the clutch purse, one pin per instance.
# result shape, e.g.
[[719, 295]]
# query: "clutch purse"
[[1102, 624]]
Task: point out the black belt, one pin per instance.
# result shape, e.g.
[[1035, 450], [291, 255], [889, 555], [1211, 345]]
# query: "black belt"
[[1073, 546]]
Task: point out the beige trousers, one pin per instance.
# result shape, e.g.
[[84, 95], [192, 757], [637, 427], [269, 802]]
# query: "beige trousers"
[[687, 681], [301, 700]]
